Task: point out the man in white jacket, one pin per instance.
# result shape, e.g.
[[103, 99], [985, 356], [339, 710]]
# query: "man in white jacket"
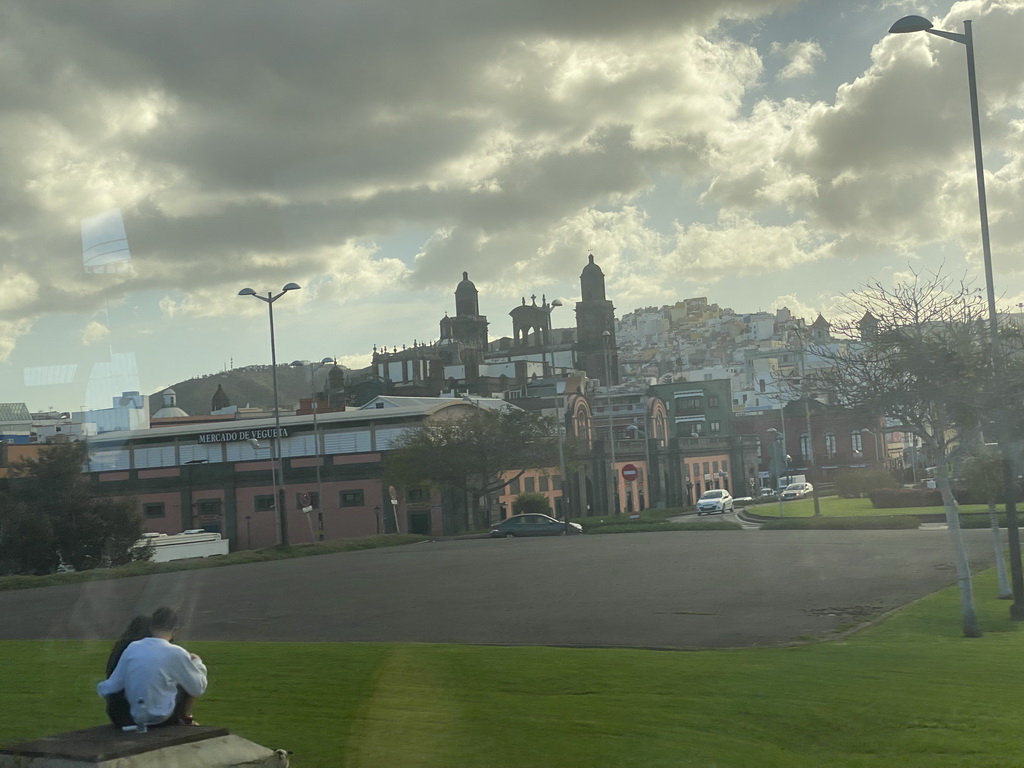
[[160, 680]]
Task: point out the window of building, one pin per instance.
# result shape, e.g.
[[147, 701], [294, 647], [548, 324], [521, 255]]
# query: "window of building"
[[725, 466], [352, 498], [417, 495], [514, 487], [805, 446], [556, 482], [830, 445], [153, 509], [715, 427], [707, 468], [714, 467], [685, 405], [529, 484], [208, 506], [712, 401], [857, 441], [263, 503], [543, 482]]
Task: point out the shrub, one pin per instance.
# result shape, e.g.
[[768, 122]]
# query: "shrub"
[[530, 504], [895, 498], [896, 522], [854, 484]]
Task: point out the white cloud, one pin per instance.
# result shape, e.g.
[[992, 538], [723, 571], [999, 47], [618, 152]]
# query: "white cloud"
[[801, 58], [93, 332]]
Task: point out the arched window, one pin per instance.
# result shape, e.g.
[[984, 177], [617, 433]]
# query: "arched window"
[[805, 447], [830, 445], [857, 441]]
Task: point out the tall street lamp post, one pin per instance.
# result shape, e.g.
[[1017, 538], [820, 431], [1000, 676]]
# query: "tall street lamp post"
[[778, 455], [560, 416], [547, 333], [878, 450], [647, 457], [314, 404], [921, 24], [279, 505], [614, 507]]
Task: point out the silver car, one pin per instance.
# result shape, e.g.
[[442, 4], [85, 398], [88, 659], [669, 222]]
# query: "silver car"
[[717, 500]]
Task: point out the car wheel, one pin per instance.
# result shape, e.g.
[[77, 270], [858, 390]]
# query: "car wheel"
[[509, 535]]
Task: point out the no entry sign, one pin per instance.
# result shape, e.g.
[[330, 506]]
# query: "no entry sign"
[[630, 473]]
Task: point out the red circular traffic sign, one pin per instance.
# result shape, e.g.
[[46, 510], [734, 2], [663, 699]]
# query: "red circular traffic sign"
[[630, 473]]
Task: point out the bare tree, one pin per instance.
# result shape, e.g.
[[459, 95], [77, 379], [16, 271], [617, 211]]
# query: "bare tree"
[[919, 355]]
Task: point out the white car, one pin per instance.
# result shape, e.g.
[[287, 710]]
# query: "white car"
[[716, 500], [796, 491]]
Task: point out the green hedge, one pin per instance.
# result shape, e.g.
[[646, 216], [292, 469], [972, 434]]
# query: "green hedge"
[[895, 522], [900, 498], [639, 526]]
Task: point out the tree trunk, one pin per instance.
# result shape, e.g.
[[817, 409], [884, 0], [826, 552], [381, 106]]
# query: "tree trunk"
[[963, 568], [1004, 586]]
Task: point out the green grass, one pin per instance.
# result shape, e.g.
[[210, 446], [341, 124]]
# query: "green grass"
[[909, 692], [833, 506]]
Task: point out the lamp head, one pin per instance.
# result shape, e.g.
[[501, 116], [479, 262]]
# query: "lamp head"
[[247, 292], [296, 363], [291, 287], [556, 303], [910, 24], [327, 360]]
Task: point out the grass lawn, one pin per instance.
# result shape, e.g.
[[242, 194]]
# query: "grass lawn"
[[833, 506], [908, 692]]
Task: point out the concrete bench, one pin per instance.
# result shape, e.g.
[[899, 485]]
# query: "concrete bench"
[[173, 746]]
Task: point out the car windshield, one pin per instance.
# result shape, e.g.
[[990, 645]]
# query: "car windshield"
[[713, 495], [795, 487]]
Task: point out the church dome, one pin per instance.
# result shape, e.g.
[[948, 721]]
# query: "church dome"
[[592, 282], [466, 303]]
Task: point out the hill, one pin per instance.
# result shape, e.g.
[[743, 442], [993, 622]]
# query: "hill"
[[249, 386]]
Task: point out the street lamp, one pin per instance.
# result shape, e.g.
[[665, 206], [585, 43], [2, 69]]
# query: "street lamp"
[[778, 449], [921, 24], [279, 505], [878, 450], [547, 333], [647, 455], [315, 405], [614, 506]]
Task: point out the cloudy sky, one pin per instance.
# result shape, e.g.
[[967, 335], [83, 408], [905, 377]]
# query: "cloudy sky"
[[758, 152]]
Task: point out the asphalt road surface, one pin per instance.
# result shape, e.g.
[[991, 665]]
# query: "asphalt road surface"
[[707, 589]]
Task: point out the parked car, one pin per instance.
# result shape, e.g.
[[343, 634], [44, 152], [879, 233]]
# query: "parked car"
[[768, 493], [533, 525], [796, 491], [716, 500]]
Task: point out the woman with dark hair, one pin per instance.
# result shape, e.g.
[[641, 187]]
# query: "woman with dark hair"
[[117, 704]]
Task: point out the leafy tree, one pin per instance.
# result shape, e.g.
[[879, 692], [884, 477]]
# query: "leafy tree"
[[923, 360], [469, 450], [51, 514]]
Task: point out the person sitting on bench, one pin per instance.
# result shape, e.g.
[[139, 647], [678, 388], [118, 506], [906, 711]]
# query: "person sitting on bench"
[[117, 705], [161, 681]]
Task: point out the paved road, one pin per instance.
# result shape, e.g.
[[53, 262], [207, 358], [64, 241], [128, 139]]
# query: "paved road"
[[658, 590]]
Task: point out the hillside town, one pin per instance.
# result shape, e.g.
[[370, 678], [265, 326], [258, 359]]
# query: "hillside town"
[[667, 403]]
